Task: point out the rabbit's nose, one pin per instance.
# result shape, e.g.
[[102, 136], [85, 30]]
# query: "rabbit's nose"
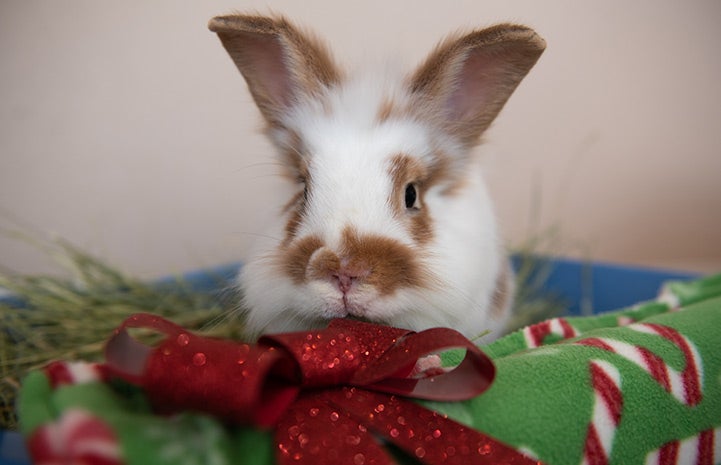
[[348, 274], [344, 281]]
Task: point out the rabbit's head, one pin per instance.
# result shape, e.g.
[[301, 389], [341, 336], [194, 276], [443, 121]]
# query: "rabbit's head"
[[390, 221]]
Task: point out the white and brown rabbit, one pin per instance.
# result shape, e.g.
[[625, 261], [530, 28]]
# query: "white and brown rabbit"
[[391, 221]]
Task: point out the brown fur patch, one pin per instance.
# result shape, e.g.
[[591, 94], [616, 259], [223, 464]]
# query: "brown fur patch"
[[386, 110], [389, 264], [324, 265], [295, 168], [381, 262], [296, 257], [406, 170], [442, 172]]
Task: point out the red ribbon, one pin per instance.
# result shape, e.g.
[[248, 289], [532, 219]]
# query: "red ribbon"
[[324, 391]]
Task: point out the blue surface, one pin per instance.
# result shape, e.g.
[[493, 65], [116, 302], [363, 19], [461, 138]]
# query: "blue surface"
[[205, 280], [595, 287], [586, 287], [12, 449]]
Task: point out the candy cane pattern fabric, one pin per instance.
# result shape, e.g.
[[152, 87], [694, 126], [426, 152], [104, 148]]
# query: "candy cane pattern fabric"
[[76, 437], [684, 385], [702, 449], [535, 335], [63, 373]]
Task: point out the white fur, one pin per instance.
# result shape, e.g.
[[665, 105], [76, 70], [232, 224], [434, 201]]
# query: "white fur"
[[349, 161]]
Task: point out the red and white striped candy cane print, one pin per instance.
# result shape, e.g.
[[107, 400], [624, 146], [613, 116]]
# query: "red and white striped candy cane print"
[[684, 385], [535, 334], [607, 407], [64, 373], [702, 449]]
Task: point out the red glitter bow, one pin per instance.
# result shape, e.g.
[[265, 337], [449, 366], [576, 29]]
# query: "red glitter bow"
[[324, 392]]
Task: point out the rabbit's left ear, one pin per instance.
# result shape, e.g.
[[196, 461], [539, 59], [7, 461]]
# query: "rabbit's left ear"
[[466, 80]]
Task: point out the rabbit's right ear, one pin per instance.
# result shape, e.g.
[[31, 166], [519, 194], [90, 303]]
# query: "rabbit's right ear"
[[279, 62]]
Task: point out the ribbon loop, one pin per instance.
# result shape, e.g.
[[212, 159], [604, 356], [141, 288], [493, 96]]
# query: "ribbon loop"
[[461, 383], [232, 381]]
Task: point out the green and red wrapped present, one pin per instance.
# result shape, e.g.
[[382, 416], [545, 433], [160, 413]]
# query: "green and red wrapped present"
[[637, 386]]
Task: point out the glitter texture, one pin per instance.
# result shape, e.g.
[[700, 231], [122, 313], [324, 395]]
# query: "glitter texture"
[[199, 359], [331, 396]]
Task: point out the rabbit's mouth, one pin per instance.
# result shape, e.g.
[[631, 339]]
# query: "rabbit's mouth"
[[352, 307], [358, 302], [362, 303]]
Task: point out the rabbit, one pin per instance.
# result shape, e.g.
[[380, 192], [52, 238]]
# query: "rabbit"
[[390, 221]]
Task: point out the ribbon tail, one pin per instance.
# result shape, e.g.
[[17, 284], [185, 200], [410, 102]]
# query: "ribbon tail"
[[314, 431], [423, 434]]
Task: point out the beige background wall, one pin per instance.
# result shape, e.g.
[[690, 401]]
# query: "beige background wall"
[[126, 129]]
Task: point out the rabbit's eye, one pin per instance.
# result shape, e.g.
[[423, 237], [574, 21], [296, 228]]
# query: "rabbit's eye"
[[411, 197]]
